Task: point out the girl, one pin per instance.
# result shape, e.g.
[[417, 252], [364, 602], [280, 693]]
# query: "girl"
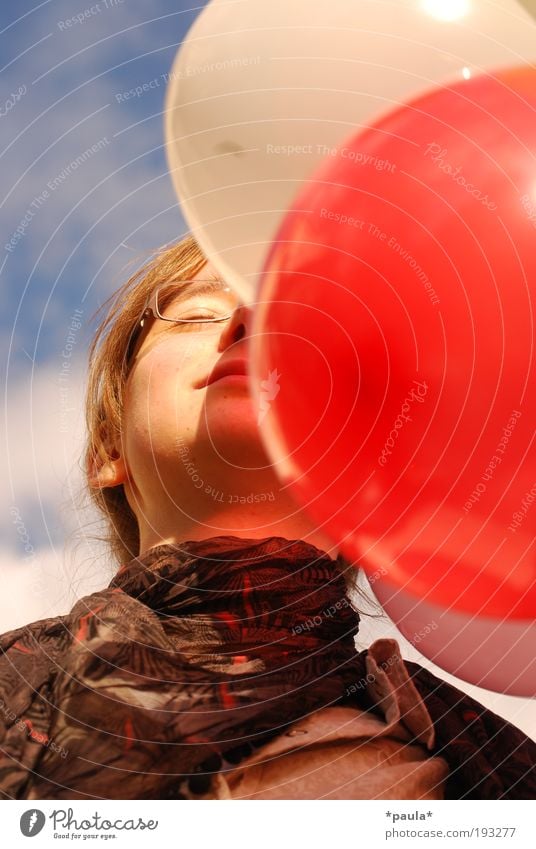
[[220, 662]]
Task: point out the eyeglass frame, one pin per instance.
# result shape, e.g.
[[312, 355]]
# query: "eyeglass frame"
[[150, 314]]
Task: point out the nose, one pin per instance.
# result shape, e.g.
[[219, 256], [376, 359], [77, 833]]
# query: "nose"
[[237, 327]]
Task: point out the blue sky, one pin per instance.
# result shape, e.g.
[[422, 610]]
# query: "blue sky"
[[85, 193], [119, 202]]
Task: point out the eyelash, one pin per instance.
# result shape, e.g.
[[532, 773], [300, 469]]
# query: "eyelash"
[[172, 326], [200, 317]]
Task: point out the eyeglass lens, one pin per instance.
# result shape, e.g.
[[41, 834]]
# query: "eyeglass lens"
[[195, 300]]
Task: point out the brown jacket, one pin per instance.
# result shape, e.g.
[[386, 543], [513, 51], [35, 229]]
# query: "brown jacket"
[[348, 753], [196, 652]]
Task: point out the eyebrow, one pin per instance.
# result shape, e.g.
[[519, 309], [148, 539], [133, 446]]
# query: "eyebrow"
[[199, 287]]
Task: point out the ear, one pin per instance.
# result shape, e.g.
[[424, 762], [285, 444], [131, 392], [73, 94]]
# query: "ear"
[[106, 468], [111, 473]]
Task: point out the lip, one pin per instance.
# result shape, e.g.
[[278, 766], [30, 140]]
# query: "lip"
[[230, 368]]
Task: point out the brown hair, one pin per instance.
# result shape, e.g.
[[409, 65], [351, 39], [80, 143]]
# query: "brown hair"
[[106, 383]]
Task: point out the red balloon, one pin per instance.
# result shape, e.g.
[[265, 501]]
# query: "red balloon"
[[397, 307]]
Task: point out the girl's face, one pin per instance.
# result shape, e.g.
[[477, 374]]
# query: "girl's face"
[[174, 422]]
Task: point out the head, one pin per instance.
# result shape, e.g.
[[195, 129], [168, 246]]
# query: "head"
[[151, 418]]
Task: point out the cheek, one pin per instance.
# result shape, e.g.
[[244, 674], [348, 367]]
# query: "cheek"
[[158, 400]]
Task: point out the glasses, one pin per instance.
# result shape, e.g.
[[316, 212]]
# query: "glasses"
[[190, 304]]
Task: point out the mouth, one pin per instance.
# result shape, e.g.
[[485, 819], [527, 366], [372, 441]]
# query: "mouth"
[[232, 370]]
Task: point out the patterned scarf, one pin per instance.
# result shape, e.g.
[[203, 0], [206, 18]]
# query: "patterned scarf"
[[194, 650]]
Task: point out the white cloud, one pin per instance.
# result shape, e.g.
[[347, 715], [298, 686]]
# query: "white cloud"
[[46, 585], [40, 502]]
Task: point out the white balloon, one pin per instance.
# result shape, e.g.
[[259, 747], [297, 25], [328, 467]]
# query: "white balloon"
[[492, 653], [262, 90]]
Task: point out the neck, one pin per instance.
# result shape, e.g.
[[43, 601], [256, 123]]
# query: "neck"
[[251, 513]]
